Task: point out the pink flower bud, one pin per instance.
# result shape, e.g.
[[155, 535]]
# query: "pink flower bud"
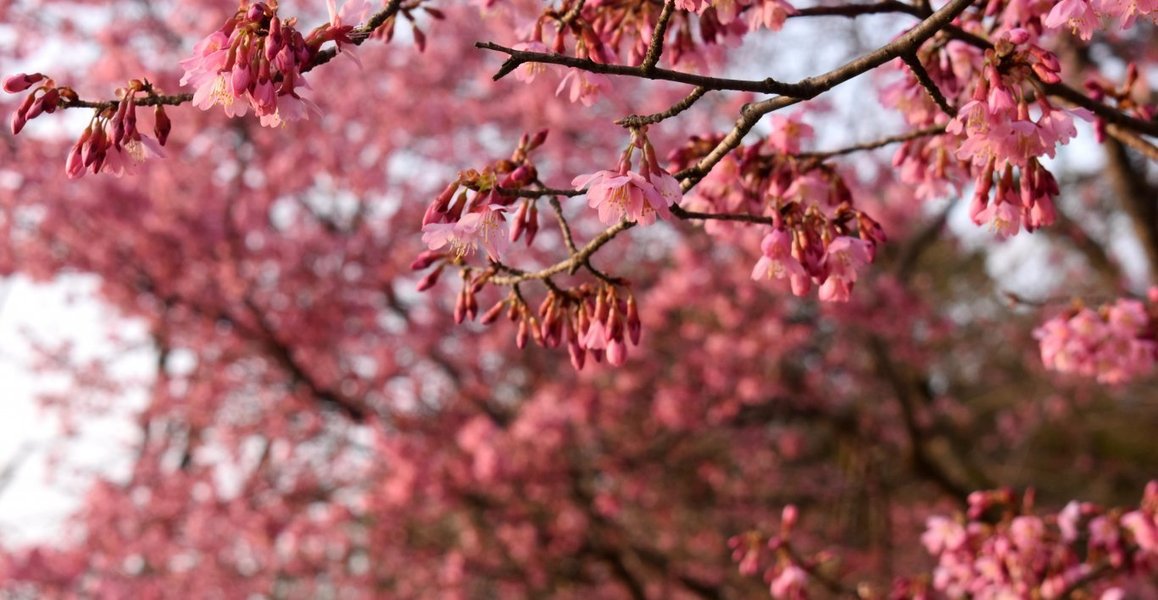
[[578, 355], [460, 309], [431, 278], [538, 140], [427, 258], [492, 315], [1018, 36], [532, 224], [522, 335], [21, 81], [634, 326], [616, 353], [161, 124]]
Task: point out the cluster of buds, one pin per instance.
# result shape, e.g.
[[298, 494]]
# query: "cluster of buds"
[[1115, 343], [258, 59], [45, 99], [625, 194], [112, 141], [591, 321], [1000, 549], [471, 211], [1000, 135]]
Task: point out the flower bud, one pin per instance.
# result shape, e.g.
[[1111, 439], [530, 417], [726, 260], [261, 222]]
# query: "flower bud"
[[161, 124], [492, 315], [634, 326], [21, 81], [431, 278]]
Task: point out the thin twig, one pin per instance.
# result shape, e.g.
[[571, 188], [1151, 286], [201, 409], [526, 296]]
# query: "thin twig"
[[636, 121], [564, 265]]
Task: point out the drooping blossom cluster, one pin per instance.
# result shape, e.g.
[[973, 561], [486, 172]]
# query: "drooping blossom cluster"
[[257, 59], [1001, 134], [625, 194], [111, 142], [818, 236], [1115, 343], [999, 549], [1084, 16]]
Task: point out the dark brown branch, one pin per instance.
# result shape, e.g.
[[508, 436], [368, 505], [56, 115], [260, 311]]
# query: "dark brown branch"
[[881, 143], [519, 57], [856, 10], [927, 82], [656, 47]]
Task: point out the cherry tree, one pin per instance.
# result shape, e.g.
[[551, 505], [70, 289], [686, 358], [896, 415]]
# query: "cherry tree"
[[610, 298]]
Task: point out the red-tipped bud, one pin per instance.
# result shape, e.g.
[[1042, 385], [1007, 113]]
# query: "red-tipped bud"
[[493, 314], [431, 278], [427, 258], [50, 101], [538, 140], [21, 81], [532, 224], [634, 326], [616, 353], [18, 122], [1045, 74], [161, 124], [420, 39], [518, 224], [1018, 36], [471, 305], [578, 355], [460, 308], [523, 334], [256, 12]]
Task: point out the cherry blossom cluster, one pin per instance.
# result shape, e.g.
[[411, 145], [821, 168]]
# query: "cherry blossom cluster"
[[1000, 549], [1115, 343], [625, 194], [1131, 97], [111, 142], [818, 236], [471, 212], [257, 59], [1084, 16], [1001, 134]]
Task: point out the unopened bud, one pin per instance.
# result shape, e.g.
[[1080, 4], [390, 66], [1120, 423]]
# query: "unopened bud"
[[21, 81], [492, 314], [634, 326], [431, 278], [161, 124]]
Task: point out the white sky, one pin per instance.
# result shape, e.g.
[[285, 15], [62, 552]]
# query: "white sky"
[[32, 506]]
